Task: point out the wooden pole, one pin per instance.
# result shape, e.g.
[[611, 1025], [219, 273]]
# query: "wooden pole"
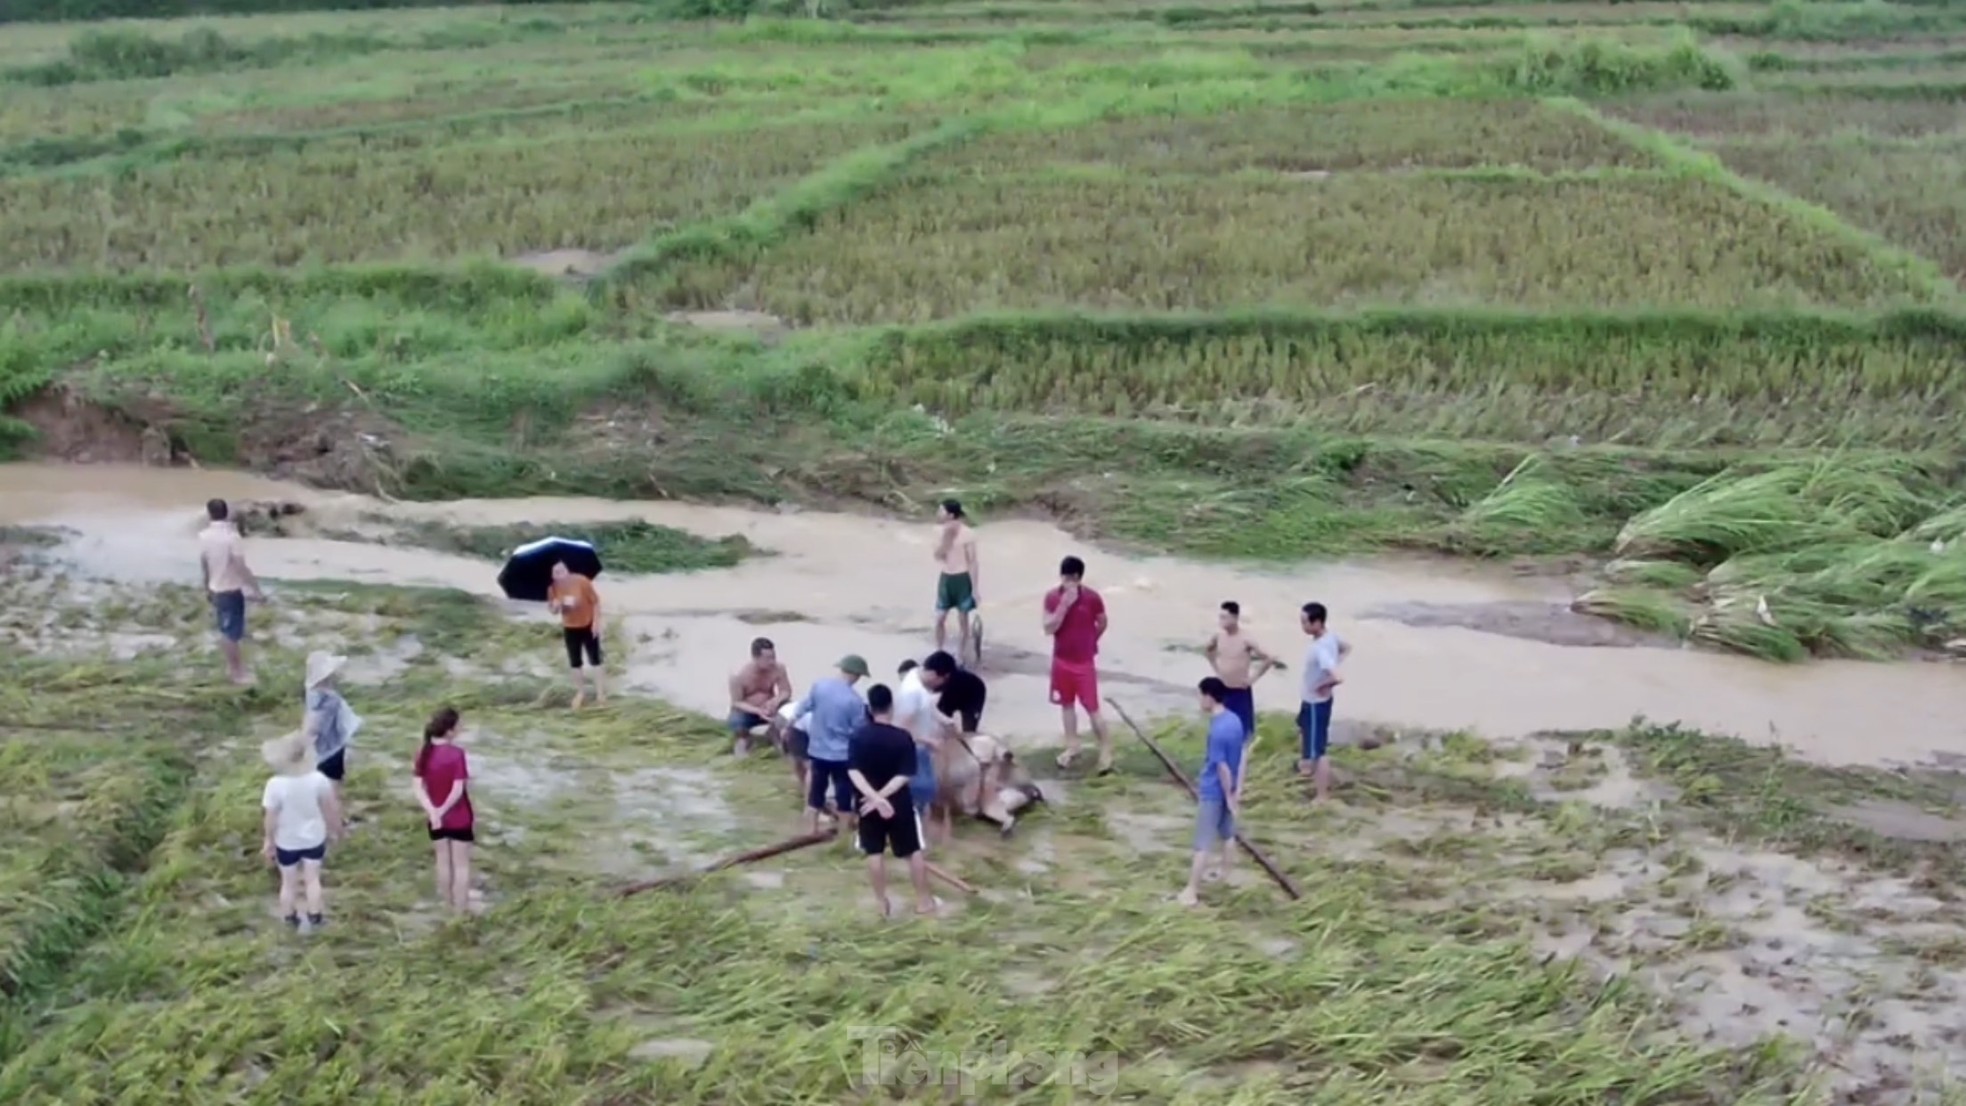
[[1289, 885], [790, 844], [936, 871]]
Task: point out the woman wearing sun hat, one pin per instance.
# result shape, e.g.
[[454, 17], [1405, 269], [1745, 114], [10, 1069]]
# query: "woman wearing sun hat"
[[328, 720], [302, 816]]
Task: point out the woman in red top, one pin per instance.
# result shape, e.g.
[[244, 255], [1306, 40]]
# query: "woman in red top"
[[440, 774]]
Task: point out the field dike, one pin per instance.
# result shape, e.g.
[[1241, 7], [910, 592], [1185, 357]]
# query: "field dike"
[[1637, 912]]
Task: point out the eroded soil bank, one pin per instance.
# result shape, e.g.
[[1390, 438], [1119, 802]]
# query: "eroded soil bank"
[[833, 583]]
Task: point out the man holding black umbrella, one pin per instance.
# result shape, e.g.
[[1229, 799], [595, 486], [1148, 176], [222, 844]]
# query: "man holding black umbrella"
[[573, 598]]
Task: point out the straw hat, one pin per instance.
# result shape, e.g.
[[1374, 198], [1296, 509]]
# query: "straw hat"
[[291, 755], [322, 665]]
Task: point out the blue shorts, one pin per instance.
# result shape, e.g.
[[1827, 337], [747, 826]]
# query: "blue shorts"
[[287, 858], [1214, 825], [1241, 702], [922, 784], [1314, 726], [843, 793], [743, 721], [229, 610]]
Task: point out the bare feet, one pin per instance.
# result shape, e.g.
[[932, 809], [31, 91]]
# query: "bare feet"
[[1188, 897], [928, 909], [1066, 758], [579, 699], [886, 907]]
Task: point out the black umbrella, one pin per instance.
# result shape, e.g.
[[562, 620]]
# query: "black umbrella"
[[528, 572]]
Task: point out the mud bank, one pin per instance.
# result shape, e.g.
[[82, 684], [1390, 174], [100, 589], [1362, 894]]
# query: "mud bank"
[[843, 583]]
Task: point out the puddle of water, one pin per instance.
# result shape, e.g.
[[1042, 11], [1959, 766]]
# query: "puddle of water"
[[862, 585]]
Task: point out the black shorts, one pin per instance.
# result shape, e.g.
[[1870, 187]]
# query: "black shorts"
[[796, 744], [845, 797], [582, 640], [465, 835], [336, 766], [288, 858], [900, 835]]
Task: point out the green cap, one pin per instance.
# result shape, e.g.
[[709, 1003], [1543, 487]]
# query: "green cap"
[[853, 665]]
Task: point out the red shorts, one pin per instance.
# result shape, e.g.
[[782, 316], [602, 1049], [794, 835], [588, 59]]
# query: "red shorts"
[[1078, 683]]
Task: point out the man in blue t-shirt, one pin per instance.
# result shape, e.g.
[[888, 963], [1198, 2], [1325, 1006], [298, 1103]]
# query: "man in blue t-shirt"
[[1220, 785]]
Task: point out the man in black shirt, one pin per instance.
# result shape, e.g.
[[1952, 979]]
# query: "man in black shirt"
[[961, 691], [880, 760]]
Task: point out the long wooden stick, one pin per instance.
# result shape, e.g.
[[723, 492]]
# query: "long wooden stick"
[[790, 844], [1289, 885], [936, 871]]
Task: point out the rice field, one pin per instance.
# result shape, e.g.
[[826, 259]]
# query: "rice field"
[[1673, 381], [1359, 135], [1115, 242], [598, 191], [1665, 294], [167, 957]]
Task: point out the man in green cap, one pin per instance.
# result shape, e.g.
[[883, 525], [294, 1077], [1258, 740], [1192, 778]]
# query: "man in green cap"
[[834, 711]]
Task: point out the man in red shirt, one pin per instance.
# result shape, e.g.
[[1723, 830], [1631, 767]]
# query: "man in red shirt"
[[1075, 617]]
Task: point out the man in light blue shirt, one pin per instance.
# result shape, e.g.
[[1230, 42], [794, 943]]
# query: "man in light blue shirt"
[[1314, 712], [835, 712], [1219, 788]]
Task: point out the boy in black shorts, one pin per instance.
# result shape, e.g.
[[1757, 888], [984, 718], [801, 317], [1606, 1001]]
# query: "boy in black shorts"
[[880, 760]]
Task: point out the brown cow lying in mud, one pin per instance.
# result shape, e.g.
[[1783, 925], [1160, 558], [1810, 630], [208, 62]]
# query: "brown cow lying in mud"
[[979, 776], [976, 775]]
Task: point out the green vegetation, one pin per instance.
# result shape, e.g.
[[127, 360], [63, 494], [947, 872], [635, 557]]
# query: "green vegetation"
[[625, 546], [159, 952], [1664, 292]]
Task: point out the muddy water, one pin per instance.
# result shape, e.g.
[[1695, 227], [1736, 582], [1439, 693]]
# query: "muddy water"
[[864, 586]]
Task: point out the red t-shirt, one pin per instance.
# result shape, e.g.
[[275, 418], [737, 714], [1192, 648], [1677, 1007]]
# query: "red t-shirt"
[[444, 767], [1077, 639]]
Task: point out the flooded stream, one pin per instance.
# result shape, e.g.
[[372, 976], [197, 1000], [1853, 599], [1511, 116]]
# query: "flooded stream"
[[864, 585]]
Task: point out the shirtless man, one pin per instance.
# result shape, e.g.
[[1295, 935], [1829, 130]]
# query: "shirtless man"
[[228, 584], [757, 690], [1232, 652], [960, 586]]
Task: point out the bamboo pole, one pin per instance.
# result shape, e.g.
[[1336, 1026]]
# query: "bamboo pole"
[[950, 879], [1289, 885], [790, 844]]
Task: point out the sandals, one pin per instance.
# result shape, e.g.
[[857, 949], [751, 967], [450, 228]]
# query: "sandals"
[[1068, 758]]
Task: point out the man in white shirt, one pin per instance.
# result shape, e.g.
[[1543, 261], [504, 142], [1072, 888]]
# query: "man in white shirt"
[[1320, 677], [914, 711], [228, 582]]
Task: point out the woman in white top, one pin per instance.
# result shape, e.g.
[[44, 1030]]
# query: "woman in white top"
[[302, 816]]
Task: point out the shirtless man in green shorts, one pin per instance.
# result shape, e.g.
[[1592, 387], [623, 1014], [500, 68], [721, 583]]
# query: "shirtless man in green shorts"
[[960, 584]]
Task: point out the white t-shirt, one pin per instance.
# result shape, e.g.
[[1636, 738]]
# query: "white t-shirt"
[[914, 706], [788, 713], [298, 803], [1320, 662]]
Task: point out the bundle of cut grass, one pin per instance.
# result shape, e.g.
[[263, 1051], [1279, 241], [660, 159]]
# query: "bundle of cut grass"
[[1659, 575], [1945, 528], [1644, 607], [1795, 507], [1869, 599], [1530, 500]]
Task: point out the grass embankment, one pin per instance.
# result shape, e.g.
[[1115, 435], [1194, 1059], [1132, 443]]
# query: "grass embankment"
[[700, 996], [1344, 432], [624, 546]]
